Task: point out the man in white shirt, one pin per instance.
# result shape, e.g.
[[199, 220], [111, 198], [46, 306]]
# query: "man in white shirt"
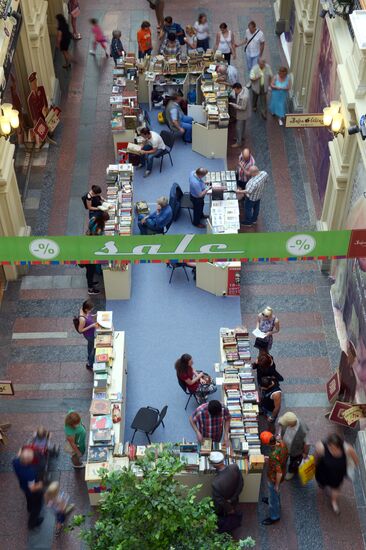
[[153, 147], [254, 44]]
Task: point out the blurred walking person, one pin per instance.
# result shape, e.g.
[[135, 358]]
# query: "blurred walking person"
[[331, 458]]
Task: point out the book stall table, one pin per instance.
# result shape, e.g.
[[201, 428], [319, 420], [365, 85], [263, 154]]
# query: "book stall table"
[[126, 114], [235, 380], [119, 180], [108, 403]]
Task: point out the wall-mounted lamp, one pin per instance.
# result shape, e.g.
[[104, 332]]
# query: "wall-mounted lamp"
[[9, 119], [333, 118]]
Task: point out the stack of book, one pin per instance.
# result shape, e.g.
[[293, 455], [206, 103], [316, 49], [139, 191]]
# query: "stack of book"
[[120, 193], [241, 398]]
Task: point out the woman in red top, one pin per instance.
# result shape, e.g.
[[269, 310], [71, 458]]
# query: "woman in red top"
[[197, 382]]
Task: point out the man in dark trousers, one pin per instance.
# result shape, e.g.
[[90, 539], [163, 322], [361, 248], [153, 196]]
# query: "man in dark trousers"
[[226, 488], [27, 471]]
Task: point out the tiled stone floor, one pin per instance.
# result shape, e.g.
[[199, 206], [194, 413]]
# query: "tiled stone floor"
[[49, 373]]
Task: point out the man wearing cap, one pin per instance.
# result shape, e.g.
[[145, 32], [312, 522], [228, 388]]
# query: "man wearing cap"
[[211, 420], [226, 488], [293, 434], [276, 470]]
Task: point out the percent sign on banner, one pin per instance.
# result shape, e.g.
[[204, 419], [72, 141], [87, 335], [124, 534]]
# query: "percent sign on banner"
[[300, 244]]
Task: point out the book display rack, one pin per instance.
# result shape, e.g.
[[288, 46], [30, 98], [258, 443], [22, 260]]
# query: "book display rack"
[[126, 114], [108, 405], [119, 180]]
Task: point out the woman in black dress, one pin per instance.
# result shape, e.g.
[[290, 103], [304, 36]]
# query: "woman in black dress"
[[63, 39], [331, 458]]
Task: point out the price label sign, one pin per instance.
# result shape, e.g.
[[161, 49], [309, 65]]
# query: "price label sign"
[[6, 387]]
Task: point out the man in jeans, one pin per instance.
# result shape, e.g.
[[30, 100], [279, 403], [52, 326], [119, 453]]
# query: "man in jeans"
[[153, 147], [253, 193], [277, 461], [198, 190]]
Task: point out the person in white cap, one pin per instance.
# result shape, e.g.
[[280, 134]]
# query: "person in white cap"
[[293, 434], [226, 488]]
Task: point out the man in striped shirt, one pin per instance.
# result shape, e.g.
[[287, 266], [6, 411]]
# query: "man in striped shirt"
[[253, 193]]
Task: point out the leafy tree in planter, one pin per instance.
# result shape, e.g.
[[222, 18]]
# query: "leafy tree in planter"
[[155, 512]]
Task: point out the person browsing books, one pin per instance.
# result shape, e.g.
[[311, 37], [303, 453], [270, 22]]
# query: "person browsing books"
[[211, 420], [87, 326], [75, 434], [94, 199], [226, 487], [153, 147], [271, 398], [198, 191]]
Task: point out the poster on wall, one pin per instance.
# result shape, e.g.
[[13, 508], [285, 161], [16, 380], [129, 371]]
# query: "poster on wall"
[[233, 281], [349, 289], [325, 88]]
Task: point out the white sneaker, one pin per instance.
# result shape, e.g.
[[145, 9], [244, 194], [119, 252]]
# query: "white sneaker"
[[289, 476], [92, 52], [147, 173], [280, 121]]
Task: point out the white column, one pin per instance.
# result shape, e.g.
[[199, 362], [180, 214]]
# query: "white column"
[[12, 220]]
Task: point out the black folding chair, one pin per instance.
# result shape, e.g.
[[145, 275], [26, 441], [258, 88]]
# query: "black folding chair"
[[175, 265], [147, 420], [168, 138], [186, 202], [187, 392]]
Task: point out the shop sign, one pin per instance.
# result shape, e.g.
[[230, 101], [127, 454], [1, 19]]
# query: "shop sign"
[[163, 248], [6, 388], [233, 281], [308, 120]]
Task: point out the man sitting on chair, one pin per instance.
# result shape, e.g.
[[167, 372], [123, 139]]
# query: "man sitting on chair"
[[153, 147], [178, 122], [156, 221]]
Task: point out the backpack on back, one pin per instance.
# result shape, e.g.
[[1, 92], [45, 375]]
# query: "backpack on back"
[[84, 198]]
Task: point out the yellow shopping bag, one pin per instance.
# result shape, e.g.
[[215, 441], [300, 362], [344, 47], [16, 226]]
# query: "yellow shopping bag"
[[307, 469]]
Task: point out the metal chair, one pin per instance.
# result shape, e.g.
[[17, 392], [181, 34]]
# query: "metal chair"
[[168, 138], [147, 420], [187, 203], [173, 266], [187, 392]]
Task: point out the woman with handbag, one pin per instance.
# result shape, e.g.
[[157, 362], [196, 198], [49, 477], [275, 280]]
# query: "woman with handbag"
[[197, 382], [225, 42], [75, 433], [74, 11], [333, 458]]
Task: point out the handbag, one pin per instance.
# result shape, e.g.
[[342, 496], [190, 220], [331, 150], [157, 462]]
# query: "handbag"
[[260, 343], [307, 469]]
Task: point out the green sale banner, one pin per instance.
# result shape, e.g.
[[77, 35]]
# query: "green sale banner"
[[253, 246]]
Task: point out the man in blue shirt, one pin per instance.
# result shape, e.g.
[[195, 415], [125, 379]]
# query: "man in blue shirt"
[[156, 221], [198, 190], [176, 28], [28, 474], [178, 122]]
